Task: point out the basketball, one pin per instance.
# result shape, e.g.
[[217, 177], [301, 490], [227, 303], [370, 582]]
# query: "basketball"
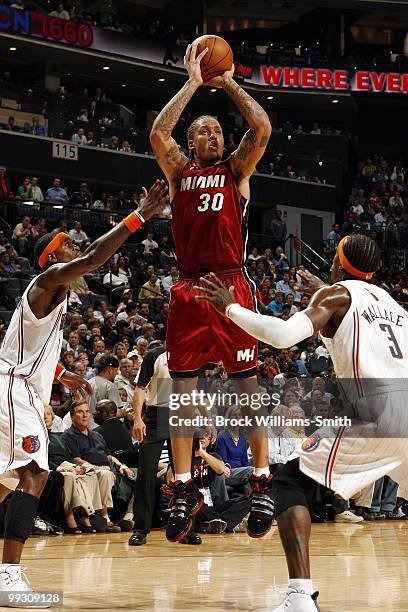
[[218, 58]]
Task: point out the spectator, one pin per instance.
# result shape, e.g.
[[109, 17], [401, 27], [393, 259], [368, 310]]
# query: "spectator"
[[77, 234], [83, 116], [79, 137], [23, 235], [381, 217], [333, 237], [103, 384], [56, 193], [278, 229], [368, 169], [126, 148], [149, 243], [121, 202], [280, 261], [89, 448], [55, 421], [282, 286], [113, 278], [6, 191], [11, 125], [114, 143], [121, 331], [316, 129], [141, 348], [60, 12], [93, 114], [359, 202], [107, 12], [232, 446], [36, 128], [276, 305], [395, 201], [90, 139], [25, 191], [294, 356], [151, 290], [36, 190], [123, 377], [81, 198]]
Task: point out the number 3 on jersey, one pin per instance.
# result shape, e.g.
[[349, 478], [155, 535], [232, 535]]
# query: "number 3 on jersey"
[[394, 346], [216, 204]]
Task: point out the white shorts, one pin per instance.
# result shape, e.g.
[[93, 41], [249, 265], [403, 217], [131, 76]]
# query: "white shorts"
[[23, 434], [348, 459]]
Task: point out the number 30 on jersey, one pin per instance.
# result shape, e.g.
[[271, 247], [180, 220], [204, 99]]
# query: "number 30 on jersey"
[[214, 202]]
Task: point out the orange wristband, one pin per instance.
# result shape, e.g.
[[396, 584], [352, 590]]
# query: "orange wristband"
[[133, 221]]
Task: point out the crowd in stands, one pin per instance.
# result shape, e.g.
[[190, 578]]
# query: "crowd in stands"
[[379, 202]]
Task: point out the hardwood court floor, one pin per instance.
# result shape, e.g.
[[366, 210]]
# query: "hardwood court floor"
[[356, 568]]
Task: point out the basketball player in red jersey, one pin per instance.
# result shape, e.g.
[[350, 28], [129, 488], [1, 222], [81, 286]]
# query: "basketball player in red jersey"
[[210, 200]]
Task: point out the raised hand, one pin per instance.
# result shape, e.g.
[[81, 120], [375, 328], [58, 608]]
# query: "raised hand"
[[154, 200], [311, 283], [192, 62], [216, 293], [221, 80]]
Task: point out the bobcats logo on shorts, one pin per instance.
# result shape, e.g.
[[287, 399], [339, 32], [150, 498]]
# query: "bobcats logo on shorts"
[[31, 444], [311, 443]]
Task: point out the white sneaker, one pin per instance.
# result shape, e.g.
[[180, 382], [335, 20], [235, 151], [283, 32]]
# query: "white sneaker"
[[12, 582], [348, 517], [298, 601], [242, 526]]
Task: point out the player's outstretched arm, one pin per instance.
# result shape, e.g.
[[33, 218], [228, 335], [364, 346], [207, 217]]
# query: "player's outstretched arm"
[[103, 248], [252, 146], [327, 303], [169, 157]]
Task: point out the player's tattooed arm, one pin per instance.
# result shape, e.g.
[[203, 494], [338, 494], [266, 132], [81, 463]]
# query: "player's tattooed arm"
[[254, 141], [171, 160]]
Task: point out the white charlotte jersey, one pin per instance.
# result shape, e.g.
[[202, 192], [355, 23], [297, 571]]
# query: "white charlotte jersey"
[[372, 340], [31, 346]]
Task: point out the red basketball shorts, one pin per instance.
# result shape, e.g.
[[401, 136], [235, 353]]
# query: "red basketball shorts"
[[198, 336]]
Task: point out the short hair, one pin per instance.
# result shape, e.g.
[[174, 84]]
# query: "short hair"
[[130, 306], [75, 404], [362, 252]]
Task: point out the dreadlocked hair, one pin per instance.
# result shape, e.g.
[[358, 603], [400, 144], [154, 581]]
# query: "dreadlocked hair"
[[192, 128], [42, 243], [362, 252]]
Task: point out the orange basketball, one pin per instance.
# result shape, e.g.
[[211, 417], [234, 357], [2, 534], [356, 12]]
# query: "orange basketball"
[[218, 58]]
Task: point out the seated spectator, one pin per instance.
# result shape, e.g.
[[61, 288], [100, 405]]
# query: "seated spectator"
[[83, 116], [123, 267], [7, 268], [168, 281], [294, 356], [289, 372], [77, 234], [149, 243], [11, 125], [395, 201], [316, 129], [23, 236], [282, 286], [381, 217], [89, 449], [56, 193], [121, 202], [122, 330], [55, 422], [107, 12], [25, 191], [254, 255], [114, 143], [319, 384], [81, 198], [79, 137], [36, 128], [269, 368], [333, 237], [60, 12], [138, 354], [36, 190], [232, 446], [126, 148], [90, 139], [368, 169], [290, 304], [100, 203], [151, 290], [113, 278], [276, 305]]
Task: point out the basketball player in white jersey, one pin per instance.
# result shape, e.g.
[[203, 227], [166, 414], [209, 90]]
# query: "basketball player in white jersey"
[[366, 333], [28, 364]]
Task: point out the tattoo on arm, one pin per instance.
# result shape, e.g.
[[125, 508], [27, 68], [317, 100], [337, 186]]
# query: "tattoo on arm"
[[169, 116], [250, 109], [173, 155], [249, 144]]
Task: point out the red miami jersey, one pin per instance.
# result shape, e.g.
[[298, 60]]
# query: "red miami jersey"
[[210, 220]]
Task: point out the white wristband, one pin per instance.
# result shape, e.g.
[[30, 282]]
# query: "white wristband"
[[140, 216]]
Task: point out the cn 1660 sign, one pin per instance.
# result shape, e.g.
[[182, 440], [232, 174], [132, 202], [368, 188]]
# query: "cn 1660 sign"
[[44, 26]]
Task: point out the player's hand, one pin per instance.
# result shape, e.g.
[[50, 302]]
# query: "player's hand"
[[154, 200], [221, 80], [77, 384], [192, 62], [139, 429], [215, 292], [311, 283]]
